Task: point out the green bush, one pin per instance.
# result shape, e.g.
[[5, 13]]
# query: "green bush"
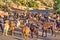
[[56, 5]]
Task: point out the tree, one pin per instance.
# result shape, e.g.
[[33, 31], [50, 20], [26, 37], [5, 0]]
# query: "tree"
[[56, 5], [4, 5], [33, 4], [47, 4]]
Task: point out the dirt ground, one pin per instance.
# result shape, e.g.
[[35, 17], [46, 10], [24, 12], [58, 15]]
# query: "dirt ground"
[[18, 36]]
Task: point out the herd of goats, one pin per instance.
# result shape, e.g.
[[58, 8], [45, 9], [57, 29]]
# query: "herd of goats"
[[29, 23]]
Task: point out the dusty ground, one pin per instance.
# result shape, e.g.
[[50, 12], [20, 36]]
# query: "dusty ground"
[[18, 36]]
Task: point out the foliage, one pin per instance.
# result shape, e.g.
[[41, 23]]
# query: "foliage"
[[32, 4], [1, 3], [56, 5], [48, 4], [26, 3], [4, 4]]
